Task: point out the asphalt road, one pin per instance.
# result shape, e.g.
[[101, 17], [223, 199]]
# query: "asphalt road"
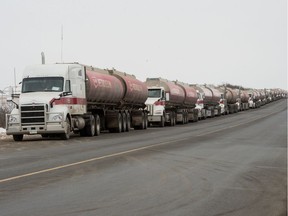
[[229, 165]]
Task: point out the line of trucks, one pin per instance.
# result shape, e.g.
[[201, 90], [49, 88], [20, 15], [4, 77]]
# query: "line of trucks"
[[58, 99]]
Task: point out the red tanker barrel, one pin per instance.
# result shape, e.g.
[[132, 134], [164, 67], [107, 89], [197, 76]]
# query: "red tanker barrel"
[[102, 87], [244, 95], [216, 95], [176, 93], [256, 95], [212, 95], [231, 95], [191, 96], [262, 94], [136, 92], [208, 95]]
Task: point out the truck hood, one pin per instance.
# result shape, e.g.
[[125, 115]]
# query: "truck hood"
[[37, 97], [151, 101]]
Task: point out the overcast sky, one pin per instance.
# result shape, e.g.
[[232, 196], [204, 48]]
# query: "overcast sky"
[[242, 42]]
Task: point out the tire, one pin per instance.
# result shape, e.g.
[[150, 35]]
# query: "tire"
[[124, 122], [171, 119], [18, 137], [162, 122], [90, 128], [66, 135], [142, 125], [97, 125], [128, 122], [145, 121], [119, 128]]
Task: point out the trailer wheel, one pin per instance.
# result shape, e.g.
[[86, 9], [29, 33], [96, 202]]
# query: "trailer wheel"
[[145, 121], [128, 122], [66, 135], [120, 120], [97, 125], [18, 137], [124, 122]]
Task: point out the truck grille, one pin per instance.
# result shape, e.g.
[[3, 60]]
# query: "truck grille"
[[33, 115]]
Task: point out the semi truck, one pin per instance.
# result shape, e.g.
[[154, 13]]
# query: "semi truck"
[[170, 102], [57, 99]]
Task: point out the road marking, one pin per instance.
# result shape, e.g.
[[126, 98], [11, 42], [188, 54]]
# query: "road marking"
[[121, 153], [87, 161]]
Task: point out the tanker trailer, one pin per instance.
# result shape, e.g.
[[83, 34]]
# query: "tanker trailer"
[[169, 102], [212, 98], [59, 99], [191, 98]]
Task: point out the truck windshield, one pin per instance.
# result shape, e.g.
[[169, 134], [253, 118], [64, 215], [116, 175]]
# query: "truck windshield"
[[154, 93], [39, 84]]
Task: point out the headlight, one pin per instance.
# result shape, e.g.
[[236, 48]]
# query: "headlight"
[[13, 119], [57, 118]]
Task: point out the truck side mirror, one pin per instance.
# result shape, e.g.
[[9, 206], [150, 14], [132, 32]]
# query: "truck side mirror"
[[11, 100], [167, 97]]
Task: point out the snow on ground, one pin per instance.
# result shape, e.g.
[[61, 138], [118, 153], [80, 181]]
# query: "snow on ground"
[[2, 130], [2, 133]]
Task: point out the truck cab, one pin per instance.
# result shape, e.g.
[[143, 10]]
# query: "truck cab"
[[50, 95], [155, 103]]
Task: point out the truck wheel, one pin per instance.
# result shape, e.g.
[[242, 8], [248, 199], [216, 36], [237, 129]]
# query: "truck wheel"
[[162, 122], [90, 128], [124, 122], [145, 121], [97, 125], [66, 135], [119, 128], [18, 137], [128, 122], [171, 119]]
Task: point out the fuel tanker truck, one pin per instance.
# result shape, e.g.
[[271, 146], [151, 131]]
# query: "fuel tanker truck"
[[210, 102], [58, 99], [170, 102]]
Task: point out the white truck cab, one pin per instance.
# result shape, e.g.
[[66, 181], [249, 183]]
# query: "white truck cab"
[[155, 103], [46, 102]]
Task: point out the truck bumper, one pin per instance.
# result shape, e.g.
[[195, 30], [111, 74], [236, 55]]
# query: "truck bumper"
[[40, 129], [154, 119]]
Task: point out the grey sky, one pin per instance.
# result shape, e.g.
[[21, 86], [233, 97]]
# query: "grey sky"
[[242, 42]]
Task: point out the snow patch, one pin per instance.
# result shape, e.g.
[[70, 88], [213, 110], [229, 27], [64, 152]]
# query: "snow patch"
[[2, 133], [2, 130]]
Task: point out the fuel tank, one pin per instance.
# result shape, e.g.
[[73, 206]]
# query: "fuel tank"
[[232, 95], [244, 95], [190, 93], [176, 92], [212, 94], [114, 87]]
